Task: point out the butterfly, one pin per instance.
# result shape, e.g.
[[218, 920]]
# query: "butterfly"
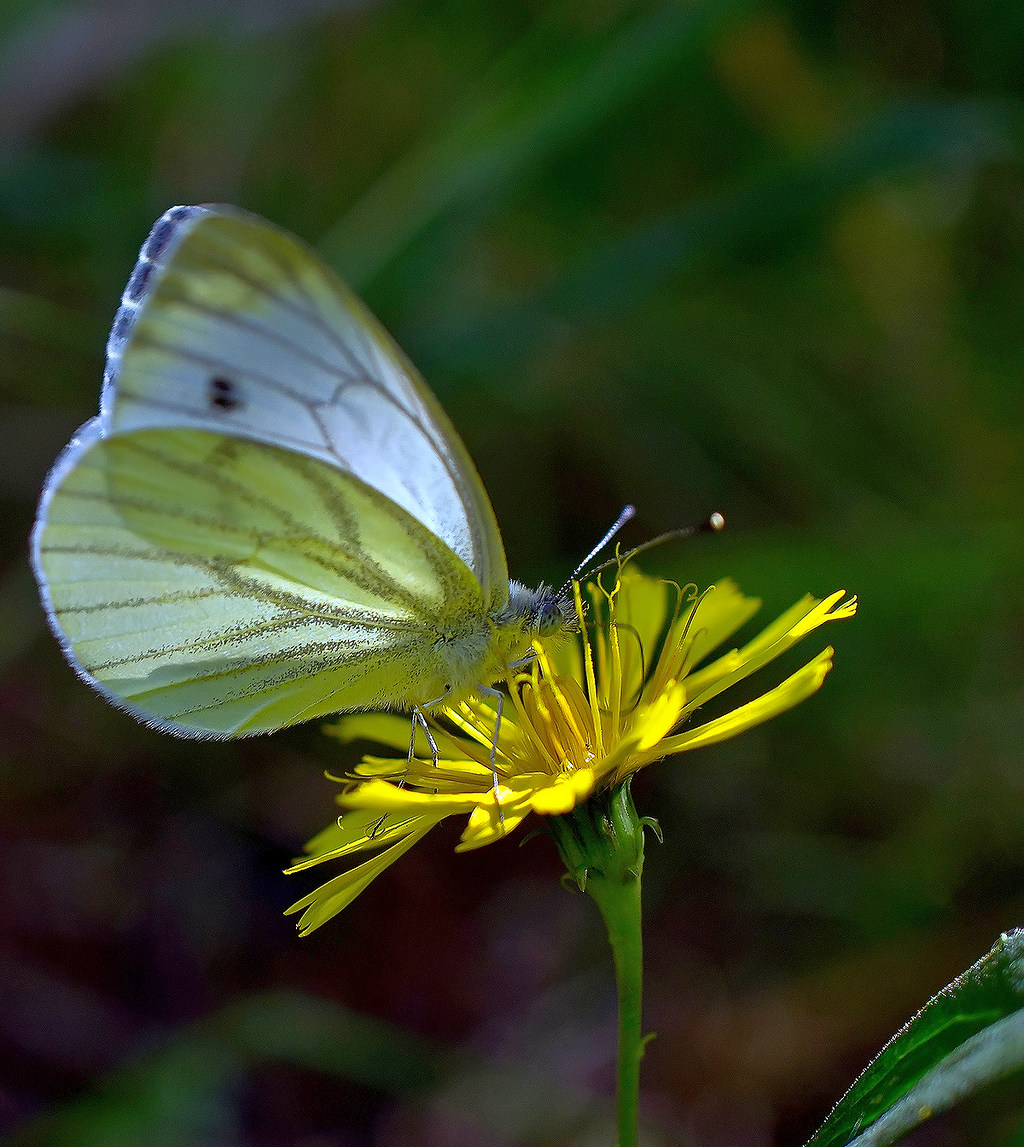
[[271, 519]]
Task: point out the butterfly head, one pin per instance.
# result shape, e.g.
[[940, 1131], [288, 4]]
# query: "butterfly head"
[[543, 611]]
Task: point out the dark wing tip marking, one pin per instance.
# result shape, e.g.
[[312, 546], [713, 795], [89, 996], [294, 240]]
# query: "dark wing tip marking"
[[151, 259], [224, 394], [122, 325], [138, 280], [164, 231]]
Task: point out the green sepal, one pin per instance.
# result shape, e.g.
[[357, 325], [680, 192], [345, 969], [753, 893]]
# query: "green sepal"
[[601, 839]]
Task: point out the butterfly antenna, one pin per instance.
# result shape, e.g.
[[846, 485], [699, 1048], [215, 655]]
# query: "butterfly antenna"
[[628, 513], [711, 525]]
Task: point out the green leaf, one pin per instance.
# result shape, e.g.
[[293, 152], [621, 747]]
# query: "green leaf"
[[969, 1034]]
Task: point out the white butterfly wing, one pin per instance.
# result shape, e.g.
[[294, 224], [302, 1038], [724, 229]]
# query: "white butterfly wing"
[[217, 586], [232, 325]]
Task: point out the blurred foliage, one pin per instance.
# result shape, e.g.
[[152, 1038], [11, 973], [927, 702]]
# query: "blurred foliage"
[[722, 254]]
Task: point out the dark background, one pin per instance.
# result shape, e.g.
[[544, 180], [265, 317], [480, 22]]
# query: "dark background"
[[761, 258]]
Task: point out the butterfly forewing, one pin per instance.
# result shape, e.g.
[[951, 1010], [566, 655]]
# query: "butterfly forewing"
[[220, 586], [230, 324]]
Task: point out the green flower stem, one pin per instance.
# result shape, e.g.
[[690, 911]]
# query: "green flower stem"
[[602, 845], [620, 906]]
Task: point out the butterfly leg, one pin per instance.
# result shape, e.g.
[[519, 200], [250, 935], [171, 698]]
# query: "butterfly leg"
[[499, 699], [419, 719]]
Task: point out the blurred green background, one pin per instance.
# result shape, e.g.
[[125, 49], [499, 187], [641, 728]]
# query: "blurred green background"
[[760, 258]]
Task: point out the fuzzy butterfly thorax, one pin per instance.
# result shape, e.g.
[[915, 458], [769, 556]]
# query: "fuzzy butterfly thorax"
[[474, 655]]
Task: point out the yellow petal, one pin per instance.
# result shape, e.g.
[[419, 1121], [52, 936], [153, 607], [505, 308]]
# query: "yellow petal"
[[780, 636], [329, 899], [355, 832], [791, 692], [450, 776], [384, 797], [485, 826], [660, 717], [384, 728], [721, 611], [564, 794]]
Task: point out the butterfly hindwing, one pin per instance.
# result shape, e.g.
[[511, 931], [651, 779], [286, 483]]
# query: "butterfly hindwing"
[[218, 586]]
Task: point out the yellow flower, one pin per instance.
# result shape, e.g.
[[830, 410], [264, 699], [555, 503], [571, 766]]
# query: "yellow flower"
[[584, 716]]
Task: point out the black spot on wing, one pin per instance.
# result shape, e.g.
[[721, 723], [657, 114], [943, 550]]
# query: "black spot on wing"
[[223, 393]]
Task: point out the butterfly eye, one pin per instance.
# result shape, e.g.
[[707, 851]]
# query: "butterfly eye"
[[224, 393], [550, 617]]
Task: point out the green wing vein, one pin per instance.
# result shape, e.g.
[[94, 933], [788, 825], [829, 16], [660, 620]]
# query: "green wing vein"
[[221, 586]]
